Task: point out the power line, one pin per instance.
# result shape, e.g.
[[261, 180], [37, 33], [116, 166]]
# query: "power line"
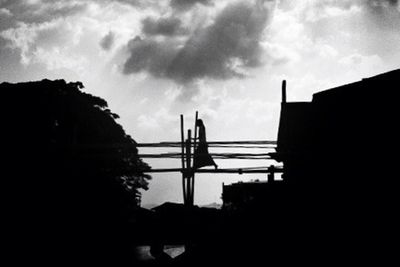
[[214, 155], [211, 144], [242, 146], [270, 169], [217, 144]]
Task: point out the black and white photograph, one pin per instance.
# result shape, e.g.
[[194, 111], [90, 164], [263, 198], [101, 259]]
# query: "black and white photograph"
[[200, 132]]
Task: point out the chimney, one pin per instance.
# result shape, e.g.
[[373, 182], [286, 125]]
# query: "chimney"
[[283, 91]]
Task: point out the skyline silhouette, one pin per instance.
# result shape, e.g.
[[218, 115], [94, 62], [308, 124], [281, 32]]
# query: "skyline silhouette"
[[182, 56], [75, 174]]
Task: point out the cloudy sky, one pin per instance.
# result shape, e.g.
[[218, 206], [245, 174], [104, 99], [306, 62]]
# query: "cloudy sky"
[[155, 59]]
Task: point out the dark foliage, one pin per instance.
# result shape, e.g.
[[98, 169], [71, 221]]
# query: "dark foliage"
[[72, 174]]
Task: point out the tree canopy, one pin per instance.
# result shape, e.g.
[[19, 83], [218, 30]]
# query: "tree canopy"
[[71, 167]]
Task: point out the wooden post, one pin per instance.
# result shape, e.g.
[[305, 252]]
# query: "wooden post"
[[271, 174], [194, 149], [188, 168], [183, 160], [195, 129]]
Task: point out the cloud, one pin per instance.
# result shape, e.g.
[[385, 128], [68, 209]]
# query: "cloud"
[[136, 3], [187, 4], [320, 9], [58, 58], [382, 3], [29, 38], [226, 48], [4, 12], [108, 41], [149, 55], [169, 26], [159, 119], [362, 26], [63, 34], [375, 6], [40, 11], [385, 13]]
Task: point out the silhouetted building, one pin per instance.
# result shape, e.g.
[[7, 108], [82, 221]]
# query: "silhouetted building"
[[242, 195], [339, 162], [338, 198], [345, 135]]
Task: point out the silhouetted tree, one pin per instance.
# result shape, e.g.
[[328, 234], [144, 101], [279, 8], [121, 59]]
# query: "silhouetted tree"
[[73, 173]]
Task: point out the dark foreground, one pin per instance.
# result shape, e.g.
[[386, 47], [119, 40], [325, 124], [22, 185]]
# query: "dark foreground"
[[63, 203]]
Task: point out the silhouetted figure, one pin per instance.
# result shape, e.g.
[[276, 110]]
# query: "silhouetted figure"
[[202, 157]]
